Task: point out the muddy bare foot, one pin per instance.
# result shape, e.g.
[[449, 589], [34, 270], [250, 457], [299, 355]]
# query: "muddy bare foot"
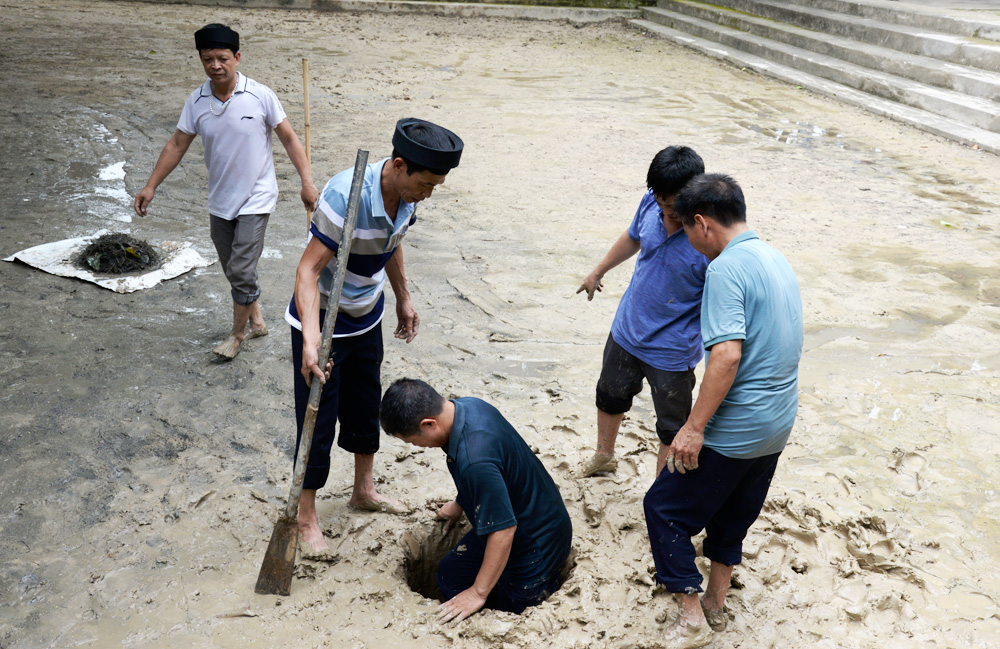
[[257, 332], [717, 617], [376, 503], [228, 348], [686, 636], [326, 553], [599, 464], [311, 539]]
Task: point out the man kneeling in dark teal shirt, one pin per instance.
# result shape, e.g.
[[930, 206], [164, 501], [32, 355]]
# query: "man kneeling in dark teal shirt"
[[521, 532]]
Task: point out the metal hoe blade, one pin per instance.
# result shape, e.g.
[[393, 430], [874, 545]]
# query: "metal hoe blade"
[[275, 576]]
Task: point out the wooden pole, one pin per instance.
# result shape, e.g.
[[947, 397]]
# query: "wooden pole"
[[275, 577], [305, 86]]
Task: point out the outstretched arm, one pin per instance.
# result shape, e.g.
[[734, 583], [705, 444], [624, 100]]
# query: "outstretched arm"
[[293, 147], [620, 250], [170, 157], [472, 599], [407, 320]]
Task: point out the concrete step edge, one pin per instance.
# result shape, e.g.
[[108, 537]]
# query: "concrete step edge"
[[479, 10], [948, 21], [976, 111], [923, 120], [963, 50], [960, 78]]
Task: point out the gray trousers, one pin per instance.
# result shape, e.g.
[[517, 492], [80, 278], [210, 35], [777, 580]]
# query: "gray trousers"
[[239, 243]]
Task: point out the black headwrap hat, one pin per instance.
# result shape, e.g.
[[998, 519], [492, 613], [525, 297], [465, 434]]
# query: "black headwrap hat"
[[427, 144], [216, 36]]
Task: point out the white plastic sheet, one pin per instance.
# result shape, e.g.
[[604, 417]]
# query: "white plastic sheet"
[[59, 258]]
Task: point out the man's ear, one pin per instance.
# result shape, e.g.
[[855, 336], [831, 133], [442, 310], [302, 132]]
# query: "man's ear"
[[701, 222], [428, 424], [399, 165]]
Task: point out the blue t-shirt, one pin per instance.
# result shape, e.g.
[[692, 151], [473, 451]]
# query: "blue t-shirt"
[[500, 484], [751, 294], [658, 319]]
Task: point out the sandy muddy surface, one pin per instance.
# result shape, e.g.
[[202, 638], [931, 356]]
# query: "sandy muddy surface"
[[140, 480]]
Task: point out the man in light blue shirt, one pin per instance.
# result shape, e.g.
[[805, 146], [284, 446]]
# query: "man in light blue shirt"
[[720, 464]]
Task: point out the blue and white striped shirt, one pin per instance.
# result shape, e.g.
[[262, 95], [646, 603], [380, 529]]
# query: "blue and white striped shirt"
[[376, 237]]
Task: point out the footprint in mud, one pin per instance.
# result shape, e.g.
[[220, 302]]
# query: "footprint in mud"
[[593, 508], [838, 485], [908, 466], [770, 560], [871, 546], [969, 605]]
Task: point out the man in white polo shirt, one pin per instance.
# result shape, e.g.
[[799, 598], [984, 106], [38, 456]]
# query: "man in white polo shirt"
[[234, 116]]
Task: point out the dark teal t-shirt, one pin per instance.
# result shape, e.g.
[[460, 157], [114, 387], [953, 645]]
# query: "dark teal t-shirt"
[[501, 483]]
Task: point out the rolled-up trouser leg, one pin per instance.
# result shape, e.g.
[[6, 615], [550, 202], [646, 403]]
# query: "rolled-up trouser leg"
[[621, 379], [351, 396], [325, 430], [678, 506], [727, 529], [239, 243]]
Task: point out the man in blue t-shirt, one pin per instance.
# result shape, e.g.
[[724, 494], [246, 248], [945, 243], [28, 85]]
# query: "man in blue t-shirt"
[[656, 333], [720, 464], [521, 532]]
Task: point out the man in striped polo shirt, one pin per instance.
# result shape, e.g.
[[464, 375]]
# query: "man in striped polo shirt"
[[423, 153]]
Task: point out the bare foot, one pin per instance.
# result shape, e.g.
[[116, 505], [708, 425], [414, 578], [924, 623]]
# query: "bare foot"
[[687, 636], [229, 347], [717, 618], [376, 503], [257, 332], [599, 464], [311, 537]]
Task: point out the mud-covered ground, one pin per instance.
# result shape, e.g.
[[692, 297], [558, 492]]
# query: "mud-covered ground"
[[140, 479]]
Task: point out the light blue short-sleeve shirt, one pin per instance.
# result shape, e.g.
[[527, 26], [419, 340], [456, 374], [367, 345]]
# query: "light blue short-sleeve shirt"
[[751, 294]]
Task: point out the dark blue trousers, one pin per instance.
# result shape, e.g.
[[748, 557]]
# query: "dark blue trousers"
[[723, 496], [458, 569], [351, 395]]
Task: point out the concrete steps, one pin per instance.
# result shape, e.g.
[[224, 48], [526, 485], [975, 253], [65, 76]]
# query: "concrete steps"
[[847, 49]]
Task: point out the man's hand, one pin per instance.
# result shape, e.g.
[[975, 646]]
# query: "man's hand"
[[683, 452], [310, 365], [143, 199], [460, 606], [590, 284], [450, 512], [309, 195], [408, 321]]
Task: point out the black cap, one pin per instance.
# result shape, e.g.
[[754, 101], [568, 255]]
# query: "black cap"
[[216, 36], [427, 144]]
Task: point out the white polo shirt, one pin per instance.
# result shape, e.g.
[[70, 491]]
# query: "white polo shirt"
[[237, 140]]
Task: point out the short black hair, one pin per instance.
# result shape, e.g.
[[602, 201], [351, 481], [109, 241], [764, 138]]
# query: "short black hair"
[[671, 168], [430, 137], [406, 403], [714, 195]]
